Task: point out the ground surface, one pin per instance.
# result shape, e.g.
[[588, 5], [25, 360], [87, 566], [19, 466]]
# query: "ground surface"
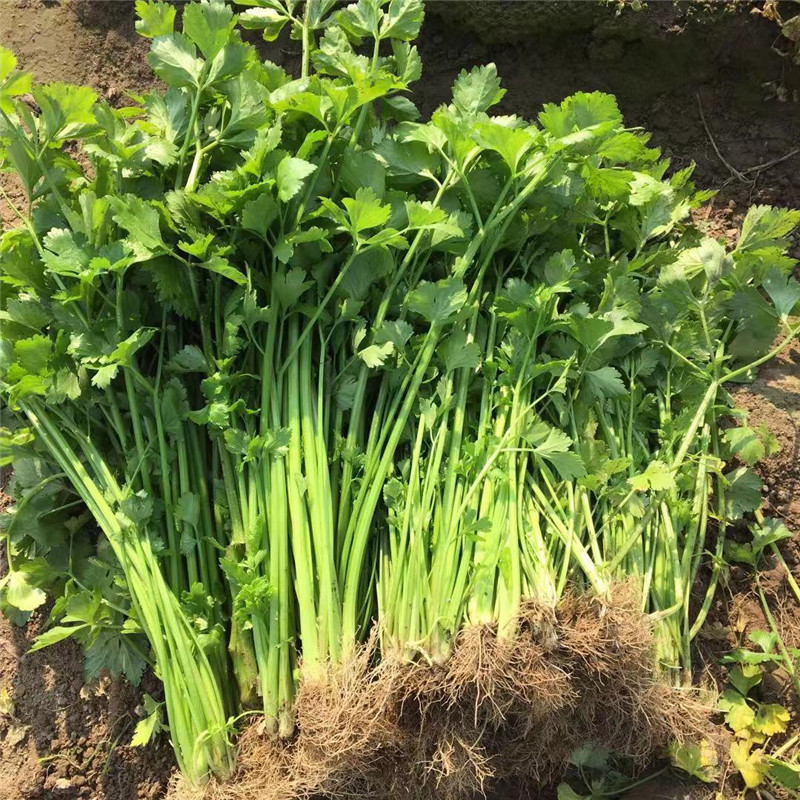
[[707, 90]]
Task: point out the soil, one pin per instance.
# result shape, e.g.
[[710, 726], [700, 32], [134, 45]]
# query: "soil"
[[63, 739], [712, 89]]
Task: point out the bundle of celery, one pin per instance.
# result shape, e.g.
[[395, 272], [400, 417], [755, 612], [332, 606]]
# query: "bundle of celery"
[[194, 319], [571, 436], [313, 366]]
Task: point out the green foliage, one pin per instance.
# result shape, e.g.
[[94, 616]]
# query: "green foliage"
[[597, 775], [697, 760], [752, 722], [301, 358], [150, 725]]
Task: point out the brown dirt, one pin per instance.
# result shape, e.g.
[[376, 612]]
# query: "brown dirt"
[[774, 399], [65, 740], [82, 42], [700, 87]]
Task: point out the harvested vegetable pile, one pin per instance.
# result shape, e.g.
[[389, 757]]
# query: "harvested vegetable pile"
[[404, 436]]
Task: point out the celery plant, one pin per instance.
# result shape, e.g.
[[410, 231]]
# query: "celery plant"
[[313, 365]]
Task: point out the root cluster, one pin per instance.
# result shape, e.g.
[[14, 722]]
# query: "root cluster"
[[500, 708]]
